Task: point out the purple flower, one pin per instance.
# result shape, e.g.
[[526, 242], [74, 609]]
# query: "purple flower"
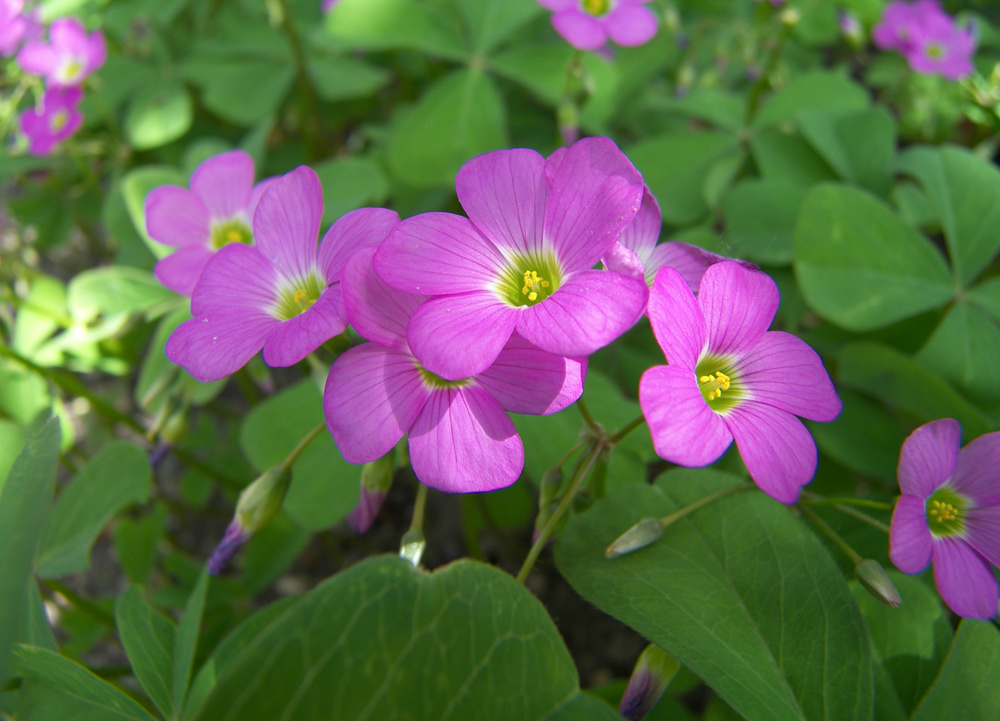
[[460, 437], [56, 120], [15, 26], [523, 260], [69, 56], [328, 5], [636, 253], [282, 294], [587, 24], [927, 37], [950, 512], [730, 378], [216, 211]]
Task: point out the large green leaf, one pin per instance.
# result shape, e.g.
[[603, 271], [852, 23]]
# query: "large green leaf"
[[350, 183], [490, 22], [186, 640], [966, 342], [739, 592], [760, 219], [964, 690], [158, 114], [241, 91], [963, 191], [864, 437], [116, 289], [859, 265], [860, 146], [339, 78], [383, 24], [786, 157], [831, 92], [117, 477], [136, 185], [25, 503], [458, 116], [385, 641], [148, 638], [11, 442]]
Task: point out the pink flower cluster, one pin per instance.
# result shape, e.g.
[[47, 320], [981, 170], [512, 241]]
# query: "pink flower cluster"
[[930, 40], [64, 61], [467, 318]]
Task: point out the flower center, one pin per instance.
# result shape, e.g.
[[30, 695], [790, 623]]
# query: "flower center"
[[596, 7], [72, 70], [59, 120], [231, 231], [297, 298], [718, 383], [945, 509], [436, 382], [934, 51], [529, 280]]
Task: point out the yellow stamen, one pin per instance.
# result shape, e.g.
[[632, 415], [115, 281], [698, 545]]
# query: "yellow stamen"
[[233, 236], [299, 296], [716, 384], [532, 279], [596, 7]]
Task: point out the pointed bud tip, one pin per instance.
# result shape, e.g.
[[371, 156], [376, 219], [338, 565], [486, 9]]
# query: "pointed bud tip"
[[642, 534], [876, 581], [654, 670]]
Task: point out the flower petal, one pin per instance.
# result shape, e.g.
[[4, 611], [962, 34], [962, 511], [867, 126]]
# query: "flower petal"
[[525, 379], [464, 442], [176, 216], [181, 270], [459, 336], [223, 182], [776, 448], [784, 372], [237, 276], [624, 261], [582, 31], [964, 579], [677, 321], [982, 531], [361, 228], [217, 344], [37, 58], [292, 340], [286, 222], [738, 304], [438, 254], [376, 310], [594, 195], [928, 457], [909, 538], [688, 260], [976, 470], [643, 232], [630, 25], [504, 193], [589, 310], [684, 429], [373, 395]]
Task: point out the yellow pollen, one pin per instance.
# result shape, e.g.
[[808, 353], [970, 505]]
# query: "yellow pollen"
[[59, 120], [716, 384], [532, 279], [943, 511], [596, 7], [298, 296], [233, 236]]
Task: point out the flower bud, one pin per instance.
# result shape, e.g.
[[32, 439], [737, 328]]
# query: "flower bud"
[[876, 581], [652, 674], [638, 536], [257, 505], [376, 479]]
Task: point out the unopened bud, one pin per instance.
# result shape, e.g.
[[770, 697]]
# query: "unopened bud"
[[376, 479], [876, 581], [257, 505], [850, 28], [652, 674], [175, 428], [645, 532]]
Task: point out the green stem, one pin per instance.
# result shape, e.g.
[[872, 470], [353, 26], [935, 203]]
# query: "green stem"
[[419, 505], [830, 533], [710, 498], [564, 503], [632, 425], [863, 517], [764, 81], [311, 129], [593, 425], [816, 500], [303, 444]]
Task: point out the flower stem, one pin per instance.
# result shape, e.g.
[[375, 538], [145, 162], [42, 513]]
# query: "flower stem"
[[303, 444], [412, 545], [631, 426], [830, 533], [710, 498], [311, 129], [593, 425], [816, 500]]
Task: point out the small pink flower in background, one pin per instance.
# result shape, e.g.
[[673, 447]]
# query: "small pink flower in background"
[[950, 512], [587, 24], [929, 39], [523, 260], [282, 294], [15, 26], [56, 120], [461, 439], [730, 378], [215, 212], [328, 5], [70, 55]]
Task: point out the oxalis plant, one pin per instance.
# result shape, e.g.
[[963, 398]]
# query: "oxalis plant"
[[499, 359]]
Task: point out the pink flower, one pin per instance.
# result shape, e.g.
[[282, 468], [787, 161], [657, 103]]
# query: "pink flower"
[[587, 24], [523, 260], [927, 37], [282, 294], [950, 512], [56, 120], [461, 439], [730, 378], [69, 56], [15, 26], [216, 212]]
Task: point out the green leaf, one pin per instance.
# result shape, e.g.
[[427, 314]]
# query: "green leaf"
[[459, 116], [676, 167], [25, 503], [339, 78], [383, 640], [11, 442], [740, 592], [966, 342], [136, 542], [148, 638], [962, 691], [910, 641], [350, 183], [490, 22], [540, 69], [986, 297], [324, 486], [186, 639], [785, 156], [40, 315], [901, 382], [860, 146], [241, 91], [760, 219], [962, 189], [136, 185], [831, 92], [385, 24], [158, 114], [69, 678], [117, 477], [864, 437], [859, 265], [116, 289]]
